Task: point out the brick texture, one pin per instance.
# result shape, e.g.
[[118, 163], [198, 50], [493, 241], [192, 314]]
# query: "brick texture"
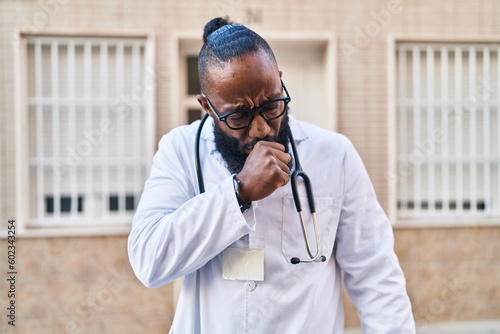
[[434, 260]]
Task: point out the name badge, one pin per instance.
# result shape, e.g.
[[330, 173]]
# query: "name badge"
[[243, 264]]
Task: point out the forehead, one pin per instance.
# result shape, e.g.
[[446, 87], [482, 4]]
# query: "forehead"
[[249, 75]]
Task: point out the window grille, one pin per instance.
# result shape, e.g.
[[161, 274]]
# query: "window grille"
[[447, 130], [88, 110]]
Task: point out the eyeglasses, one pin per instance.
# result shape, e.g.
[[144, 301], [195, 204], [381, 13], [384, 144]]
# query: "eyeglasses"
[[242, 118]]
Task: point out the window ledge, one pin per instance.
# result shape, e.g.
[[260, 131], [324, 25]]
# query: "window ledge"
[[94, 231], [445, 222]]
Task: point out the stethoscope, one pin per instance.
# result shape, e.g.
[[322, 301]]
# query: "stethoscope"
[[298, 172]]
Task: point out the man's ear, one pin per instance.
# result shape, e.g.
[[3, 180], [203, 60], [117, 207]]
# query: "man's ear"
[[202, 100]]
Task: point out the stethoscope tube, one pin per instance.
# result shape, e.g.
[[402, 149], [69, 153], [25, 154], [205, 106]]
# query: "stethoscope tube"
[[199, 173], [299, 172], [307, 183]]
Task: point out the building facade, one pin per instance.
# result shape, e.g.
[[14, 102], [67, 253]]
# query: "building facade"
[[89, 87]]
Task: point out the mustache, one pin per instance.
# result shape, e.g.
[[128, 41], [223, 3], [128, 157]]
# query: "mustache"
[[235, 153], [246, 147]]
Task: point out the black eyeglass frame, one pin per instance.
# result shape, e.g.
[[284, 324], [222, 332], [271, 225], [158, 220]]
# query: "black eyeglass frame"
[[252, 111]]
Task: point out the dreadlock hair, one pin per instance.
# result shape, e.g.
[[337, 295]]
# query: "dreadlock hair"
[[224, 41]]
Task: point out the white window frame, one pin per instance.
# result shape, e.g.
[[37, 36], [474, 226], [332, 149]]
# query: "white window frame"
[[109, 226], [392, 173]]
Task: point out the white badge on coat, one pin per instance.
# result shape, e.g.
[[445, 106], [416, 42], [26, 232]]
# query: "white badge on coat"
[[243, 264]]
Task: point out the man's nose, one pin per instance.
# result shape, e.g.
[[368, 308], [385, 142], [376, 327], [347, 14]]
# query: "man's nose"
[[259, 127]]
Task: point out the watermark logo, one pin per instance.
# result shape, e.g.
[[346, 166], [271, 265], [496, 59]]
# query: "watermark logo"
[[363, 36], [449, 293], [46, 10], [121, 108], [116, 285], [452, 120]]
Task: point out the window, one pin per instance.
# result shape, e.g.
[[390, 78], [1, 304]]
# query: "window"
[[447, 129], [89, 126]]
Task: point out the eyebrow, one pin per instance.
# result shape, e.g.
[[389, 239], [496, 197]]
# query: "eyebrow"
[[272, 98]]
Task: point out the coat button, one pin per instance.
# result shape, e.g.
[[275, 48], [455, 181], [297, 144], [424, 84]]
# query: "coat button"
[[250, 285]]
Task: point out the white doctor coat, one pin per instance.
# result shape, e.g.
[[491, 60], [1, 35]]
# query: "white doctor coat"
[[177, 232]]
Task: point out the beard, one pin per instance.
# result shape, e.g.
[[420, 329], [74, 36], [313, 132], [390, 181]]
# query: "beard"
[[235, 154]]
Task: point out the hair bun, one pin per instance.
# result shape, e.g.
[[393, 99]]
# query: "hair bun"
[[213, 25]]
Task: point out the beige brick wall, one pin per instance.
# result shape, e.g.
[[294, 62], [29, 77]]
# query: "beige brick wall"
[[452, 274], [60, 275], [81, 285]]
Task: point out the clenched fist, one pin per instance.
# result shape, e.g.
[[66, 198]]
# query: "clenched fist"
[[265, 170]]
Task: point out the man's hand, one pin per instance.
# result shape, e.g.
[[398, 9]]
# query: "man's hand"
[[265, 170]]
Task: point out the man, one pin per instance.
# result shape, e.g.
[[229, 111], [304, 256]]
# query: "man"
[[240, 244]]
